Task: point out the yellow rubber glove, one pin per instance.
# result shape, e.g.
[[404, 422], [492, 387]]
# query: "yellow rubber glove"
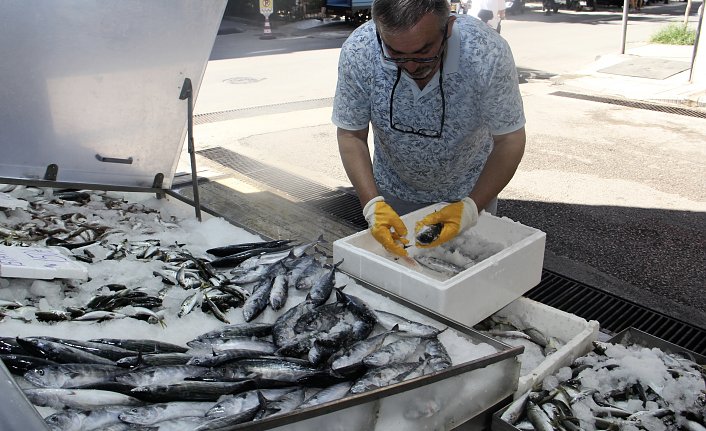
[[386, 226], [455, 217]]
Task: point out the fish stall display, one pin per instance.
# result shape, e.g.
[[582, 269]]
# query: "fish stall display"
[[615, 387], [188, 325]]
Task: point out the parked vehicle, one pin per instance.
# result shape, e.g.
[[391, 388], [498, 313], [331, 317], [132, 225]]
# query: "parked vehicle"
[[514, 7], [355, 11]]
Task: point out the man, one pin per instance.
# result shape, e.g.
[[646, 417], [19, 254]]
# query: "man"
[[441, 93], [489, 11]]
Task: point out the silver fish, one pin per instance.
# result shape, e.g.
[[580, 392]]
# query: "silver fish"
[[86, 399], [190, 302], [322, 288], [438, 265], [351, 358], [159, 375], [279, 293], [72, 375], [396, 351], [235, 404], [154, 413], [408, 328], [382, 376], [332, 393]]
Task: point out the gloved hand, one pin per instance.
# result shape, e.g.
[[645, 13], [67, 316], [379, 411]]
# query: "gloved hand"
[[386, 226], [455, 217]]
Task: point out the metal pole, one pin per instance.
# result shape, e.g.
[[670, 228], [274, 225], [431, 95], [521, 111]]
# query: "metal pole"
[[626, 6], [188, 94], [696, 41]]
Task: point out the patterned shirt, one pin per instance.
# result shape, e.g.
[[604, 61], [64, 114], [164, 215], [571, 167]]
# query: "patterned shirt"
[[482, 95]]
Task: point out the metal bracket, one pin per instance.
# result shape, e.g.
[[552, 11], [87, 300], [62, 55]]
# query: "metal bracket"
[[187, 93], [157, 184], [52, 172]]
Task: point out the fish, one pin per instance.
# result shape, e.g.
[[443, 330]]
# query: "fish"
[[429, 233], [279, 293], [439, 358], [271, 369], [396, 351], [234, 404], [85, 420], [382, 376], [257, 302], [238, 258], [191, 390], [322, 288], [238, 330], [438, 265], [20, 364], [407, 328], [58, 352], [350, 359], [85, 399], [155, 413], [159, 375], [237, 248], [142, 345], [295, 252], [154, 359], [283, 329], [287, 403], [72, 375], [223, 357], [238, 343], [190, 302], [326, 395], [227, 422]]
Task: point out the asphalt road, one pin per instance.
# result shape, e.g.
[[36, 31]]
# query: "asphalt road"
[[619, 191]]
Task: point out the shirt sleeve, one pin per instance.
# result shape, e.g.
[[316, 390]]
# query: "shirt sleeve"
[[351, 104], [502, 102]]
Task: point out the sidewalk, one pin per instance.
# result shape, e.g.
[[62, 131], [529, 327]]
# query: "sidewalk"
[[651, 72]]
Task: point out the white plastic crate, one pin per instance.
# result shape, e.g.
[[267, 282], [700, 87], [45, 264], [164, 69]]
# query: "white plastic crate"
[[467, 297], [577, 333]]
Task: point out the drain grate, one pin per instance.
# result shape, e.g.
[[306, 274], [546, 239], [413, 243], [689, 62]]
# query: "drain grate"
[[634, 104], [555, 290], [613, 313], [338, 203], [279, 108]]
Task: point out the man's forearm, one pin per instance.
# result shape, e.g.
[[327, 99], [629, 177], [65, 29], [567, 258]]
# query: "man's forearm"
[[355, 155], [500, 167]]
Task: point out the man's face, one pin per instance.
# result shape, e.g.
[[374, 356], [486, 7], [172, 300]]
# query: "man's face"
[[423, 41]]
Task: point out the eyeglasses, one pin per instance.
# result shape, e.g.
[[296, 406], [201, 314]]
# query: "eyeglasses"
[[409, 129], [423, 60]]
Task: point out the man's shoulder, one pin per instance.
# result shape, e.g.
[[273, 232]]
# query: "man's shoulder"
[[364, 35]]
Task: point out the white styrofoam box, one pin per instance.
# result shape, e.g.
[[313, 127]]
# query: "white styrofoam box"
[[467, 297], [38, 262], [577, 333]]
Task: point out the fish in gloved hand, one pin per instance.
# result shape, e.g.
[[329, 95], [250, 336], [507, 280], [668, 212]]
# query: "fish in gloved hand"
[[443, 225]]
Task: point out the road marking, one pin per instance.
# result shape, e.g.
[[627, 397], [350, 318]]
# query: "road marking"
[[267, 50]]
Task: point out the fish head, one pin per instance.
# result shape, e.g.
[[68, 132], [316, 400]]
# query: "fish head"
[[142, 415], [65, 420], [46, 378]]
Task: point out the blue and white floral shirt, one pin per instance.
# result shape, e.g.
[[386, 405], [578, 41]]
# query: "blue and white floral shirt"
[[482, 95]]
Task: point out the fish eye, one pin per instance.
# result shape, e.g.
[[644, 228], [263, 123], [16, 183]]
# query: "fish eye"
[[40, 372]]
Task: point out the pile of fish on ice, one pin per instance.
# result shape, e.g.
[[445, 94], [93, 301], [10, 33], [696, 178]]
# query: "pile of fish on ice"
[[617, 387], [125, 347]]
